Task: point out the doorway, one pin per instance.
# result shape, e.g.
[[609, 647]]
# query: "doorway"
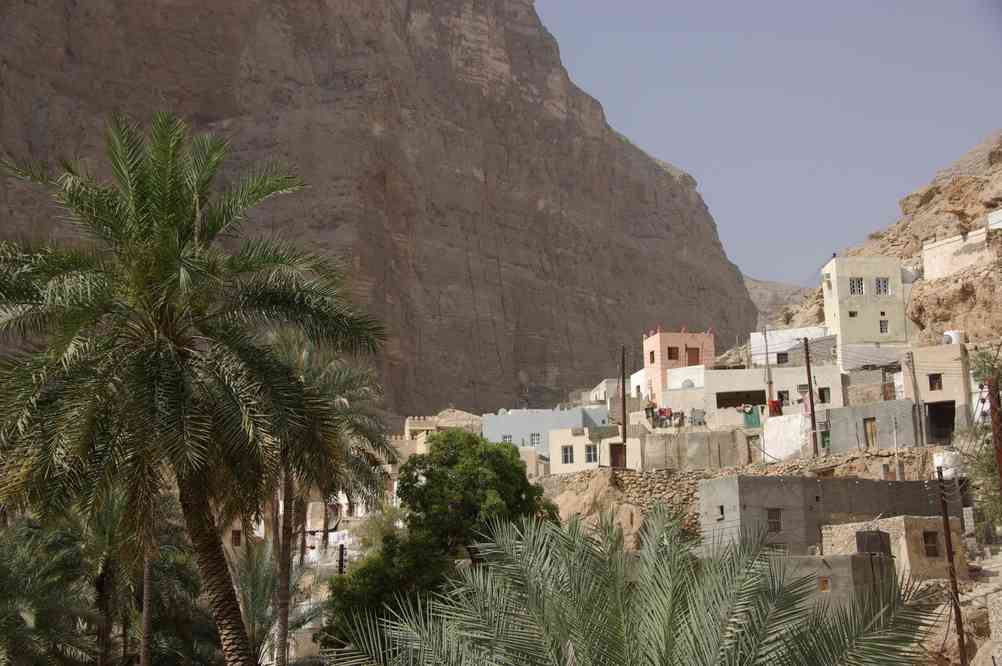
[[870, 429], [940, 417], [617, 455]]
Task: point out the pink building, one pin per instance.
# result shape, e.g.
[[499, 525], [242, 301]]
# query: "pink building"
[[664, 350]]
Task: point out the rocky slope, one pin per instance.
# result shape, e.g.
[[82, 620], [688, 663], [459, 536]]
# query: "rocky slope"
[[955, 201], [507, 235], [772, 298]]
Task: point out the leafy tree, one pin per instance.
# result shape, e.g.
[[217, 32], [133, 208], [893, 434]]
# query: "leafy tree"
[[463, 484], [404, 565], [552, 595], [449, 497], [149, 365]]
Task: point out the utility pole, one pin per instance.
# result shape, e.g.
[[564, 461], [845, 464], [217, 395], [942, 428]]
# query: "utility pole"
[[910, 360], [622, 395], [996, 414], [810, 397], [954, 593], [768, 368]]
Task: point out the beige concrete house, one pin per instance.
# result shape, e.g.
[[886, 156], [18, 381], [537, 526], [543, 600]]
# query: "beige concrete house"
[[917, 544], [864, 305], [942, 385]]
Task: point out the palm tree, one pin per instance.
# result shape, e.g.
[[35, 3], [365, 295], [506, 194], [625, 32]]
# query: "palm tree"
[[148, 363], [341, 449], [557, 596], [256, 576], [45, 600]]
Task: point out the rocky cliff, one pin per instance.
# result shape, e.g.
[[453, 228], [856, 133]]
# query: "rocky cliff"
[[772, 298], [510, 239], [955, 202]]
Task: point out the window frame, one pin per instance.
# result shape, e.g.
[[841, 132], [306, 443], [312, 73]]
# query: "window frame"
[[774, 521], [236, 538], [535, 439], [884, 326], [567, 455], [881, 281], [652, 357], [824, 395], [935, 381], [591, 453], [672, 353], [926, 543], [506, 439], [782, 358], [855, 282]]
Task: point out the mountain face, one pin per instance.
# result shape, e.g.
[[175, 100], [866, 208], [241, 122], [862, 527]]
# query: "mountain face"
[[771, 299], [955, 202], [509, 238]]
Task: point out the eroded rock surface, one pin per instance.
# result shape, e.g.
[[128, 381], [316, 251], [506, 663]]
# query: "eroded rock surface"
[[510, 239]]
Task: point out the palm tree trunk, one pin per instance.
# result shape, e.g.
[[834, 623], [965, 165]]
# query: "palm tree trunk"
[[146, 635], [125, 634], [327, 524], [102, 597], [284, 571], [303, 518], [276, 535], [215, 573]]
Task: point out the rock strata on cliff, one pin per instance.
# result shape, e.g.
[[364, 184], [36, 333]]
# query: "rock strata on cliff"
[[509, 238]]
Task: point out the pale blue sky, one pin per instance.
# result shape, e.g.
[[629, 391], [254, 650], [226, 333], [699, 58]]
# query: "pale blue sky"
[[804, 121]]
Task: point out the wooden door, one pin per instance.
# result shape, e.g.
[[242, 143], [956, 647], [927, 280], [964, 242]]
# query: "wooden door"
[[617, 455], [870, 426]]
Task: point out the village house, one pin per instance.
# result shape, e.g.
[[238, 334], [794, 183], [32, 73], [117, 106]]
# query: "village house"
[[790, 511], [916, 543], [938, 378], [945, 257], [773, 346], [665, 350], [864, 306], [531, 427]]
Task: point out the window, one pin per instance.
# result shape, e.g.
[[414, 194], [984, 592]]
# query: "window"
[[826, 439], [784, 397], [720, 512], [774, 518], [931, 542], [852, 314], [885, 326], [591, 453], [673, 353], [567, 455], [534, 439], [824, 583], [882, 286], [236, 537], [506, 439], [652, 357], [782, 358], [856, 286], [824, 395], [936, 382]]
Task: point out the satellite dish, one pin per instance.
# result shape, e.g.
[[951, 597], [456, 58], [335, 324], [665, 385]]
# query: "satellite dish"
[[688, 384]]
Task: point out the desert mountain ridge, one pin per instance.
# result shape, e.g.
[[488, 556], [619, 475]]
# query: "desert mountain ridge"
[[509, 238]]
